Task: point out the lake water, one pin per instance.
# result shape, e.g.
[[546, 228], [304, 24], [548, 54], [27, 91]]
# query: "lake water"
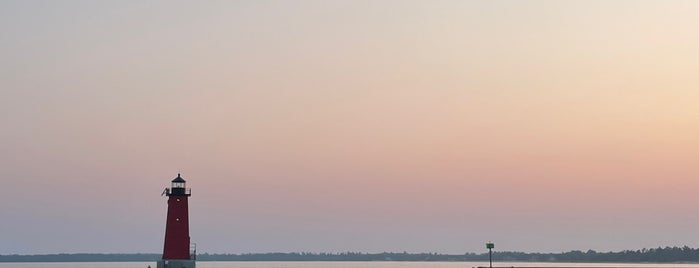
[[226, 264]]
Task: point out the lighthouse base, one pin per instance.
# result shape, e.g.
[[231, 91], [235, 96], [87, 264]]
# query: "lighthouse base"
[[176, 264]]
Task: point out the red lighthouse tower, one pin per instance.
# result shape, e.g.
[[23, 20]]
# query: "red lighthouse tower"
[[176, 252]]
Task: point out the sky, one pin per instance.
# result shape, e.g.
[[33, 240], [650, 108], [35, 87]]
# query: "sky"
[[333, 126]]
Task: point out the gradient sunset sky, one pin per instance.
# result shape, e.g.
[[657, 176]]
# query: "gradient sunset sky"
[[327, 126]]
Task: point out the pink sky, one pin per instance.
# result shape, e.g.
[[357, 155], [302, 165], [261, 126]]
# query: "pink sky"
[[350, 125]]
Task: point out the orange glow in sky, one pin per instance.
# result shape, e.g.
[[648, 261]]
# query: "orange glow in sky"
[[368, 126]]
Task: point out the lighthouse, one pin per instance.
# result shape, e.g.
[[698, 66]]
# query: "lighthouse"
[[176, 252]]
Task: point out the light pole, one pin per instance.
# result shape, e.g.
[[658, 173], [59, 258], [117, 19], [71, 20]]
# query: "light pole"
[[490, 246]]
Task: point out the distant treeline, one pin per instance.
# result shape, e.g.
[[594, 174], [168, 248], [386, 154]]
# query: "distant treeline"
[[80, 257], [654, 255]]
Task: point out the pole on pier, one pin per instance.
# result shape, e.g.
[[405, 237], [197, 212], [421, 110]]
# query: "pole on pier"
[[490, 246]]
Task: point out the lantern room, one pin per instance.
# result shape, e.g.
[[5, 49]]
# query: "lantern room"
[[178, 187], [178, 182]]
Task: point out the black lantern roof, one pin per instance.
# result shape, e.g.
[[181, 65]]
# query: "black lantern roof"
[[178, 179]]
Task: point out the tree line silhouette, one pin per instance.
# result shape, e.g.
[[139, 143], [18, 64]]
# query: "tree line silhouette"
[[652, 255]]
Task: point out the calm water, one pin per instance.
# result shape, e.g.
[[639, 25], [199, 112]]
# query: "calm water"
[[337, 265]]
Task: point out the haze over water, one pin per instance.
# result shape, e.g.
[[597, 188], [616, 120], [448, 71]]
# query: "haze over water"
[[333, 126], [342, 265]]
